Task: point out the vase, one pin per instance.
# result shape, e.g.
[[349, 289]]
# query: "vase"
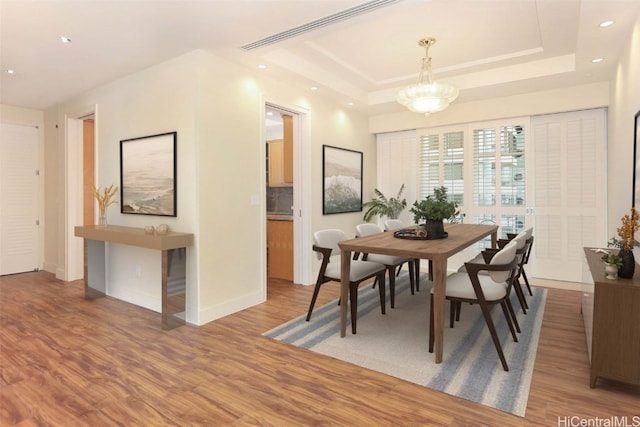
[[102, 218], [611, 271], [628, 264], [435, 229]]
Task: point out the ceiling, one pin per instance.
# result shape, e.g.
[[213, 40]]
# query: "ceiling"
[[487, 48]]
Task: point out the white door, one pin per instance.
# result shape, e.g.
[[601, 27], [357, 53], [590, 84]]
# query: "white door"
[[570, 191], [18, 199]]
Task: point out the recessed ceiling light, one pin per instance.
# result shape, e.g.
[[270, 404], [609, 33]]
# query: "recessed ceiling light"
[[269, 113], [65, 39], [262, 66], [314, 88], [606, 24], [10, 71], [595, 61]]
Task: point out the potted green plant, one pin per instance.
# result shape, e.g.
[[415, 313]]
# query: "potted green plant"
[[433, 210], [382, 206], [612, 262]]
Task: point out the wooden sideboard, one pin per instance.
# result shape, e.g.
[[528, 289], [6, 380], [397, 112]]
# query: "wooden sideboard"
[[173, 263], [611, 312]]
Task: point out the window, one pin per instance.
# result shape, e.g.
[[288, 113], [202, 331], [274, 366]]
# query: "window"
[[442, 164]]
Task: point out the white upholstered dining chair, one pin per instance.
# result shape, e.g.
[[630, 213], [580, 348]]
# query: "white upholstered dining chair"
[[483, 291], [328, 251], [391, 262]]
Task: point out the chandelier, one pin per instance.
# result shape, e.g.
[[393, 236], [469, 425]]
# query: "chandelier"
[[427, 97]]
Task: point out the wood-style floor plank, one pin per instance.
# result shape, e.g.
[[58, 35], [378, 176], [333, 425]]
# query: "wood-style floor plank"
[[65, 361]]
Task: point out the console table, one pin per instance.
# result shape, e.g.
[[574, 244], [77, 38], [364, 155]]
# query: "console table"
[[173, 267], [611, 312]]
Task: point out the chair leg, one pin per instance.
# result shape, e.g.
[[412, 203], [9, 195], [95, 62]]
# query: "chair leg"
[[383, 300], [494, 335], [313, 300], [392, 284], [507, 315], [523, 301], [375, 282], [458, 309], [526, 281], [412, 276], [431, 327], [416, 267], [452, 312], [399, 270], [513, 315], [353, 299]]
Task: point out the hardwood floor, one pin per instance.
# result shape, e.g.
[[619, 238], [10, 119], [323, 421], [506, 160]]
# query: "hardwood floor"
[[65, 361]]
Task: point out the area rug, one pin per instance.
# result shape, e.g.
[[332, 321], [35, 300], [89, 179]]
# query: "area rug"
[[396, 344]]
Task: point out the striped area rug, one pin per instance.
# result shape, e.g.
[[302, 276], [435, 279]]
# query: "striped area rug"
[[397, 344]]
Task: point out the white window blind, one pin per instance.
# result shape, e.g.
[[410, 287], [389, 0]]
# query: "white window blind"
[[429, 168], [442, 164], [484, 167]]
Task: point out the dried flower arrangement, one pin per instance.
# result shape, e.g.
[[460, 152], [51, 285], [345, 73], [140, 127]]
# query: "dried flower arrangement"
[[627, 240], [105, 198]]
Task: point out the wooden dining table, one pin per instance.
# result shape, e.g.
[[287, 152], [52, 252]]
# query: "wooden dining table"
[[460, 236]]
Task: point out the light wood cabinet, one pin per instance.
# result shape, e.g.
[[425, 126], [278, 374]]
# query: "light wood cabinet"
[[287, 148], [280, 249], [612, 324], [276, 162], [280, 154]]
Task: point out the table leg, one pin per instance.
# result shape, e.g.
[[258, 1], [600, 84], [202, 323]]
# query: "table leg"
[[439, 285], [174, 299], [345, 272]]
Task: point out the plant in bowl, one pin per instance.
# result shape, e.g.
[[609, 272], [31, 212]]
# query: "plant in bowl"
[[381, 206], [433, 210], [612, 259]]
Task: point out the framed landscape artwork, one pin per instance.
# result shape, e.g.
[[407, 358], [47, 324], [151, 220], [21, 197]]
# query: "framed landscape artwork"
[[342, 180], [148, 175], [636, 159]]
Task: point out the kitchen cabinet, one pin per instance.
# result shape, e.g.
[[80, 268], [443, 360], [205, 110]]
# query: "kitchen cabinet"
[[280, 249], [280, 156], [287, 148], [612, 324], [276, 162]]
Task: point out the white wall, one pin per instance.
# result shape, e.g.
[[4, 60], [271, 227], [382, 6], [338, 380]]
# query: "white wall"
[[625, 103]]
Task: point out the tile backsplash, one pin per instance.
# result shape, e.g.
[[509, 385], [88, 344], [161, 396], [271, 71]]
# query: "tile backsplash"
[[280, 200]]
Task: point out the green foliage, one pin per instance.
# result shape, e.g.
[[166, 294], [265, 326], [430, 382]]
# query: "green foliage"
[[381, 206], [435, 207], [614, 259]]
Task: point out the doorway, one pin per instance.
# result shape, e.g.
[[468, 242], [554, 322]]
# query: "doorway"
[[279, 126]]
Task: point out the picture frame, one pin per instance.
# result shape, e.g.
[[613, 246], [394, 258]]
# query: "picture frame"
[[148, 175], [341, 180], [636, 161]]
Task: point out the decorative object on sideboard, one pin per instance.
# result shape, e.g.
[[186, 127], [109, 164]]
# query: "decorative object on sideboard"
[[612, 263], [433, 210], [105, 198], [626, 242], [149, 229], [162, 229]]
